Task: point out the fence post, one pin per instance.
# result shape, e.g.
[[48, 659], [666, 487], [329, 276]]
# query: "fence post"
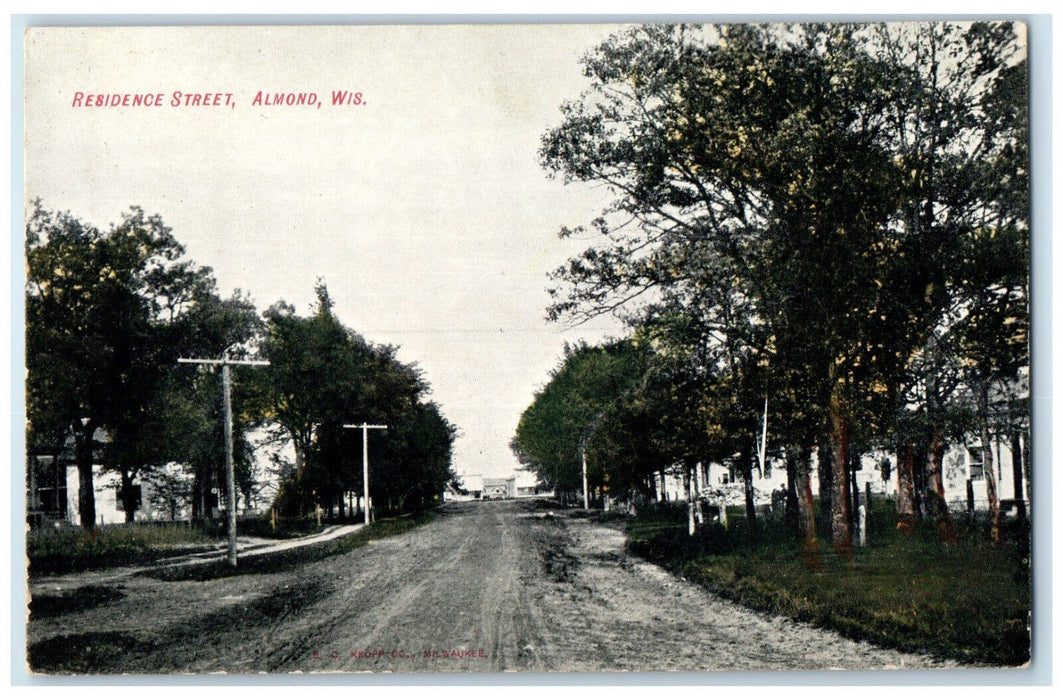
[[862, 525], [867, 516]]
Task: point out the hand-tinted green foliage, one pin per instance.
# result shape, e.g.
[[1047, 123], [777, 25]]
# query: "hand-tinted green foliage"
[[321, 376], [970, 602], [566, 413], [806, 213], [107, 315]]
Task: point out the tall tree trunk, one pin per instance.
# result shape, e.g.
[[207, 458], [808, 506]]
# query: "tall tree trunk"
[[1016, 472], [204, 487], [688, 482], [300, 457], [86, 490], [129, 501], [905, 489], [807, 509], [937, 506], [698, 512], [841, 514], [792, 516], [826, 478], [1028, 467], [61, 504], [745, 457], [919, 478], [854, 487], [990, 474]]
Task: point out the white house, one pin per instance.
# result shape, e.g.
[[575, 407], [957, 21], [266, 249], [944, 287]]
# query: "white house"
[[963, 472]]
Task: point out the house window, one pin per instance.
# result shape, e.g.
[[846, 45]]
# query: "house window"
[[975, 463]]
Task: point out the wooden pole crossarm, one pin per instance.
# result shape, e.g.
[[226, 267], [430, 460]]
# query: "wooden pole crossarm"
[[230, 477], [223, 361]]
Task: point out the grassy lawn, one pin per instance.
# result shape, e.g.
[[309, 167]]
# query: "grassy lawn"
[[74, 549], [291, 558], [969, 601]]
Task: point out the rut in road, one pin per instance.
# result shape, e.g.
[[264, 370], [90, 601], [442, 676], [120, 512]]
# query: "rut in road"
[[499, 586], [461, 588]]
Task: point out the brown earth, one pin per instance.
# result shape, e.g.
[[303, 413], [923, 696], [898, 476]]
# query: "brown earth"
[[484, 587]]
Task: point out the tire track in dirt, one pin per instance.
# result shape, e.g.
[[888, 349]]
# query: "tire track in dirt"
[[459, 588], [649, 620], [483, 587], [381, 599], [507, 618]]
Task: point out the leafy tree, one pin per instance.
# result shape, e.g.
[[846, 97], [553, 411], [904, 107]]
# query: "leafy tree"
[[553, 432], [802, 193], [413, 462], [737, 147], [214, 327], [315, 373], [104, 314], [321, 376], [958, 126]]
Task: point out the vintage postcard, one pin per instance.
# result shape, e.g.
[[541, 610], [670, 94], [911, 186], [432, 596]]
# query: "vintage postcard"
[[542, 347]]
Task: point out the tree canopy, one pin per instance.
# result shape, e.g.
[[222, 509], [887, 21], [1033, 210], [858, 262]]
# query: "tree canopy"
[[323, 375], [108, 313], [800, 210]]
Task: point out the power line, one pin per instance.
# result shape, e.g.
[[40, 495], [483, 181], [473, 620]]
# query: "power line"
[[484, 330]]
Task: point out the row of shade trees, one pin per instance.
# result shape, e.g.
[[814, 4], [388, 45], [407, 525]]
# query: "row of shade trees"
[[109, 312], [830, 217]]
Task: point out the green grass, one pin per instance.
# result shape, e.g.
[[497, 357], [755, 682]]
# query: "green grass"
[[74, 549], [278, 529], [291, 558], [969, 601]]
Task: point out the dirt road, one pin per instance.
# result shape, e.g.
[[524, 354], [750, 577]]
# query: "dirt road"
[[484, 587]]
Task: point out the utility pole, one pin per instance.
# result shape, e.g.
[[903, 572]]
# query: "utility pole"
[[227, 402], [365, 461], [762, 453]]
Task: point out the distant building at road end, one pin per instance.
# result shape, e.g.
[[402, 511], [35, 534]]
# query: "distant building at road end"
[[479, 487], [496, 489]]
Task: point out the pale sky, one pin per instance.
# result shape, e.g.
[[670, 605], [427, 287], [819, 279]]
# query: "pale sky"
[[424, 210]]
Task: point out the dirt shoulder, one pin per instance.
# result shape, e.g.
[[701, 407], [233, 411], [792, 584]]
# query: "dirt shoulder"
[[484, 587]]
